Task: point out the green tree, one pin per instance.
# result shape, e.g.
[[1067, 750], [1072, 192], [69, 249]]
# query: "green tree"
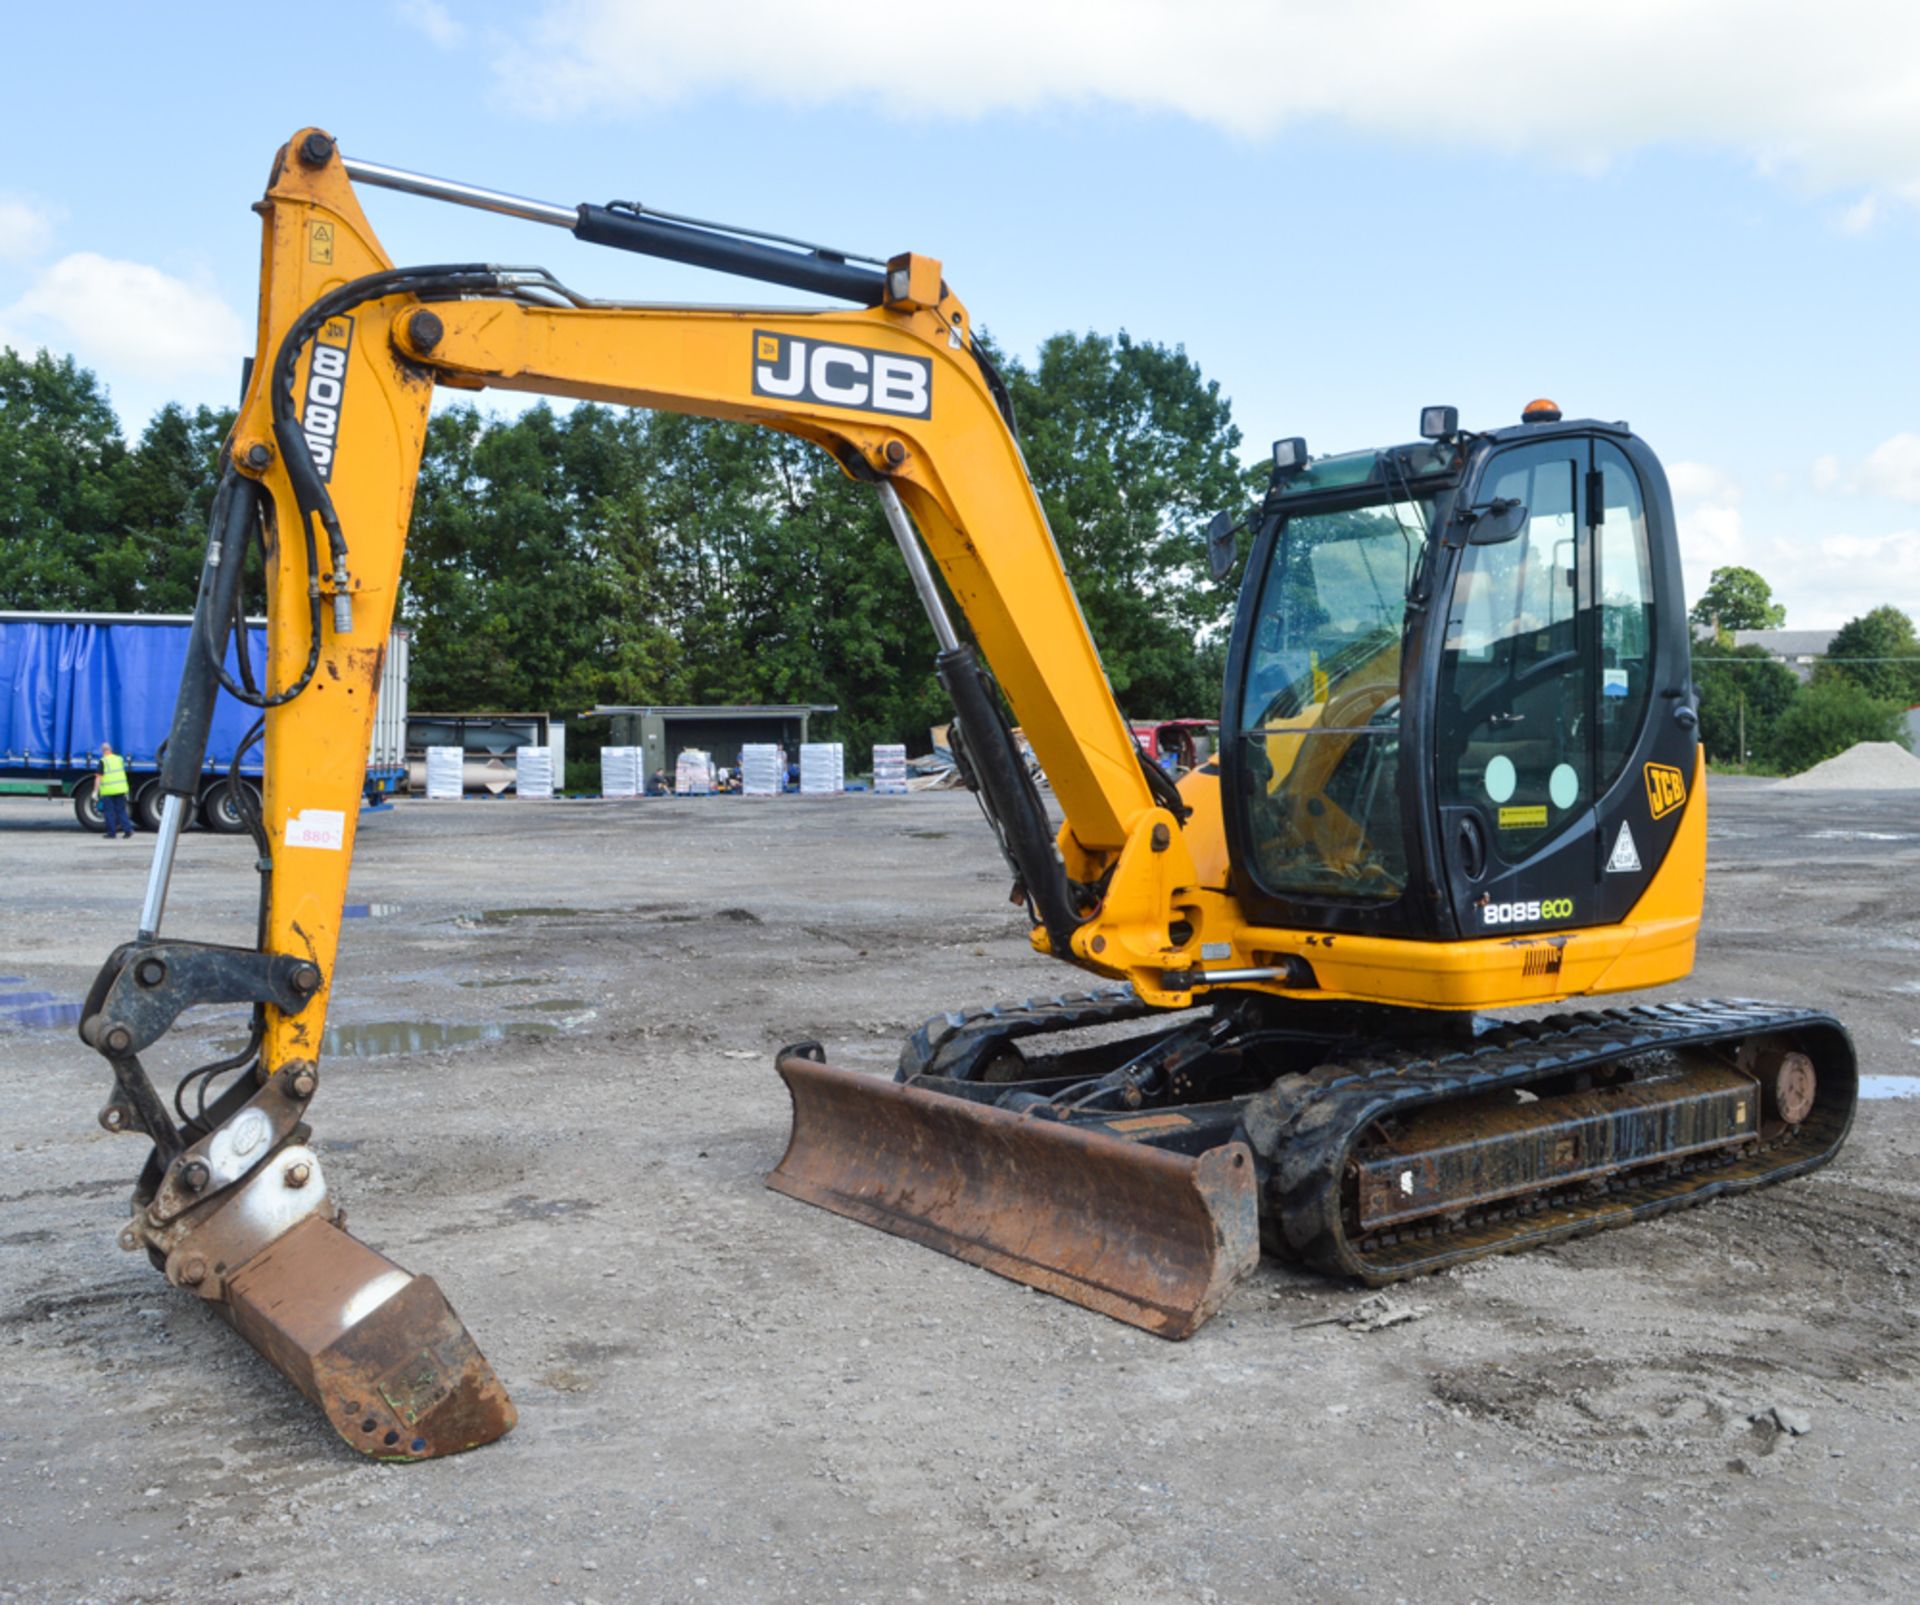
[[62, 466], [1878, 653], [1736, 684], [515, 576], [1738, 599], [1828, 717], [1132, 450], [151, 564]]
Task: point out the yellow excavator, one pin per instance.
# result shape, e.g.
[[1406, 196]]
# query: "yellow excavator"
[[1458, 771]]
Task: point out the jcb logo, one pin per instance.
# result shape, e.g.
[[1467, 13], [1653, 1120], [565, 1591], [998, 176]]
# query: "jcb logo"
[[842, 376], [1666, 789], [326, 390]]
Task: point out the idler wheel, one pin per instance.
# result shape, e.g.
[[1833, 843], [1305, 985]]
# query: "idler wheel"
[[1787, 1084]]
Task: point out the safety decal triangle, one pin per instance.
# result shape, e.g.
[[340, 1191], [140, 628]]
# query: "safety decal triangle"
[[1626, 857]]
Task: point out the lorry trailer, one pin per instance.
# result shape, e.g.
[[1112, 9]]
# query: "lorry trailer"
[[69, 681]]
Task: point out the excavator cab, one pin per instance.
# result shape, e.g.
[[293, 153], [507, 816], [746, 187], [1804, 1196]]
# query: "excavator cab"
[[1458, 689]]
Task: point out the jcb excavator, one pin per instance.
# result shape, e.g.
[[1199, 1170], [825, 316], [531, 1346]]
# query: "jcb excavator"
[[1458, 772]]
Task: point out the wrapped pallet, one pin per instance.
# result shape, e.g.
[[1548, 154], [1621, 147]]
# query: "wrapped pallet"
[[822, 768], [619, 771], [446, 773], [693, 774], [533, 772], [890, 769], [761, 770]]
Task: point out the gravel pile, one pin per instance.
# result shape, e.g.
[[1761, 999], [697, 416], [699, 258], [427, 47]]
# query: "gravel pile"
[[1869, 766]]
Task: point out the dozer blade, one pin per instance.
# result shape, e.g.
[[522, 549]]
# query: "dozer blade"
[[1149, 1237], [380, 1351]]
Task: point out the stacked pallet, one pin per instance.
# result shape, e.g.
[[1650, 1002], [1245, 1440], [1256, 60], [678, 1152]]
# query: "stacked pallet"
[[693, 774], [823, 768], [446, 773], [533, 772], [619, 771], [890, 769], [761, 770]]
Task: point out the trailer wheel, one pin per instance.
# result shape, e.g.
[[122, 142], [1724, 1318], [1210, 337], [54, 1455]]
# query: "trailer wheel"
[[146, 806], [86, 806], [220, 809]]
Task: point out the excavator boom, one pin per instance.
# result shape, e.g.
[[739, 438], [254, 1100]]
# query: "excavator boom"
[[319, 472]]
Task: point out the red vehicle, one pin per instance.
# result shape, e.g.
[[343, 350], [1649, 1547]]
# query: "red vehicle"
[[1178, 745]]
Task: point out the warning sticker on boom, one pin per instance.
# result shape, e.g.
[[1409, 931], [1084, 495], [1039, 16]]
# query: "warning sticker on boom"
[[1626, 857]]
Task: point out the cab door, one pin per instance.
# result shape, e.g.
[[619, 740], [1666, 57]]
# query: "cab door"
[[1545, 679]]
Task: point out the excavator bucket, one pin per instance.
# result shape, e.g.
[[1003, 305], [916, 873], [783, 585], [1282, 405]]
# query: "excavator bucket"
[[1149, 1237], [380, 1351]]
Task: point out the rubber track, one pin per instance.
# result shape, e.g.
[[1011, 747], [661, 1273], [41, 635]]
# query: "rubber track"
[[953, 1044], [1308, 1124]]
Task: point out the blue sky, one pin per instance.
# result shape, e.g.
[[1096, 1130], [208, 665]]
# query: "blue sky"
[[1690, 215]]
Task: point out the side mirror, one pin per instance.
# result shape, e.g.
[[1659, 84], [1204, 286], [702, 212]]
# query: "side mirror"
[[1220, 545], [1500, 520]]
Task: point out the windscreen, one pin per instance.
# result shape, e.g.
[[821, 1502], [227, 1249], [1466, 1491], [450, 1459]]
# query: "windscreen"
[[1320, 705]]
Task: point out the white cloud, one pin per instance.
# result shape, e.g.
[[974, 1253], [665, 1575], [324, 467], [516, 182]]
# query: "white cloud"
[[431, 18], [127, 319], [1892, 469], [1861, 216], [1835, 578], [1701, 482], [1826, 471], [1828, 104], [1711, 537], [26, 230]]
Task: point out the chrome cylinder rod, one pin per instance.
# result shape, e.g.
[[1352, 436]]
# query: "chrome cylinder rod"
[[446, 189], [173, 819], [909, 544]]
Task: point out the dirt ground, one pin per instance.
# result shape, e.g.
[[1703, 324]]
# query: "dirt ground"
[[726, 1395]]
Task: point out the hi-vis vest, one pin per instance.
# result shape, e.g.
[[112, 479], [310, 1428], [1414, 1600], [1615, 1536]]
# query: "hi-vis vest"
[[113, 775]]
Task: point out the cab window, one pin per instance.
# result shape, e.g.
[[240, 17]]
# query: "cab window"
[[1625, 592], [1513, 731]]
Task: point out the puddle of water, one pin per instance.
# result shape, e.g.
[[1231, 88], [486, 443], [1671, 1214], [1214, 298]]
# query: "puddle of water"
[[370, 911], [13, 980], [38, 1011], [1864, 836], [500, 916], [557, 1005], [511, 980], [384, 1038], [1890, 1086]]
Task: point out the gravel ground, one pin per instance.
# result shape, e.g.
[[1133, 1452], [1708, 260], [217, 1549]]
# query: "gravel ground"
[[552, 1091]]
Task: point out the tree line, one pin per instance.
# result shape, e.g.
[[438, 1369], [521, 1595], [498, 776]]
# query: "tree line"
[[1755, 712], [599, 555], [559, 560]]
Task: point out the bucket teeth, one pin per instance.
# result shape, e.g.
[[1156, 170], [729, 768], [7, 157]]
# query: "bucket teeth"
[[380, 1351], [1149, 1237]]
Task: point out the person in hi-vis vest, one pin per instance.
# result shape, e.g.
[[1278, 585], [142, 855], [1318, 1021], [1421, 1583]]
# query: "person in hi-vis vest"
[[113, 793]]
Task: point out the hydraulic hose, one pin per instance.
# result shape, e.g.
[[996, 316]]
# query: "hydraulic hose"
[[990, 761]]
